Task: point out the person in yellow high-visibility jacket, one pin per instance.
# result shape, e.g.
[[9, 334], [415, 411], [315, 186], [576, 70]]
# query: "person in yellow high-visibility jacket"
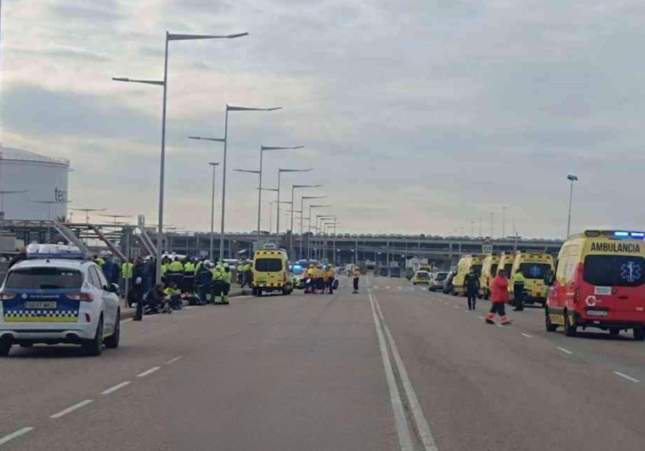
[[330, 278]]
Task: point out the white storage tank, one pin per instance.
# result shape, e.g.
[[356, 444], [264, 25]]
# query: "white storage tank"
[[32, 186]]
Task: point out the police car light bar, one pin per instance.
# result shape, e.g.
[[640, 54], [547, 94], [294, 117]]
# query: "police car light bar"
[[55, 251]]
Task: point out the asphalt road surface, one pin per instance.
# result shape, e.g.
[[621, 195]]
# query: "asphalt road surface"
[[393, 367]]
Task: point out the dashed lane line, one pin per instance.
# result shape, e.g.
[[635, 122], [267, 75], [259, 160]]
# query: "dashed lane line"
[[565, 350], [15, 435], [627, 377], [71, 409], [171, 361], [527, 335], [149, 372], [115, 388]]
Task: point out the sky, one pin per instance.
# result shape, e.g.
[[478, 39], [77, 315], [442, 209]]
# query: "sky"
[[417, 116]]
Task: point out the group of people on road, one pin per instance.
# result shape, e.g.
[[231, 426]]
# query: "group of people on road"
[[319, 278], [498, 294]]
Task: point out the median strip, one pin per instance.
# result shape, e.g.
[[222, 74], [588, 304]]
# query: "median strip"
[[71, 409], [14, 435]]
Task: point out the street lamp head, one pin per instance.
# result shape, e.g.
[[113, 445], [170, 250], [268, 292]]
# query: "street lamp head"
[[192, 37], [213, 163], [202, 138], [319, 206], [133, 80], [248, 171], [305, 186], [263, 148], [249, 108], [295, 170], [572, 177], [312, 197]]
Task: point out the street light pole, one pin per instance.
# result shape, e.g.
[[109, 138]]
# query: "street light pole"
[[164, 84], [293, 205], [264, 148], [280, 171], [572, 178], [302, 217], [211, 245], [223, 214], [210, 248]]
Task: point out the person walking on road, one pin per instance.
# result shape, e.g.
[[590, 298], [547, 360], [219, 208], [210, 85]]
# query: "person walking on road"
[[221, 283], [356, 275], [472, 288], [499, 298], [518, 290]]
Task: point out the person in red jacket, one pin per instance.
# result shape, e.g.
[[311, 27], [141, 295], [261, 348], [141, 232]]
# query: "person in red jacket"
[[499, 298]]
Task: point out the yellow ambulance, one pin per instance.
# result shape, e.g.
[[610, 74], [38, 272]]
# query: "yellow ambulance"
[[271, 272], [535, 266], [466, 263], [489, 271]]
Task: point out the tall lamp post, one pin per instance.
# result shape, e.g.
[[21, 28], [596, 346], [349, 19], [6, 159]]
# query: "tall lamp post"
[[572, 178], [302, 217], [230, 108], [263, 149], [280, 172], [309, 220], [293, 206], [164, 83], [213, 165]]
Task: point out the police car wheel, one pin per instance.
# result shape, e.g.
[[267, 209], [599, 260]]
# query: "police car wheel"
[[94, 347], [5, 348], [639, 334], [112, 342]]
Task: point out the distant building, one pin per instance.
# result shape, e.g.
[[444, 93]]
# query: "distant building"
[[32, 186]]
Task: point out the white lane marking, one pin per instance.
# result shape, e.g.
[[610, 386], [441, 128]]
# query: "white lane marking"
[[148, 372], [565, 350], [71, 409], [480, 317], [115, 388], [626, 376], [420, 421], [171, 361], [527, 335], [455, 306], [127, 320], [387, 287], [403, 432], [14, 435]]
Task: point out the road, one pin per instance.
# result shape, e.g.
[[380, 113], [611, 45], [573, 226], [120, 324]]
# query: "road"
[[393, 367]]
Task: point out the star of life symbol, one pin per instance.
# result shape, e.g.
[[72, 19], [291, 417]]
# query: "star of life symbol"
[[630, 272]]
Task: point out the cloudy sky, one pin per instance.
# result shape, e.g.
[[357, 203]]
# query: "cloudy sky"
[[419, 116]]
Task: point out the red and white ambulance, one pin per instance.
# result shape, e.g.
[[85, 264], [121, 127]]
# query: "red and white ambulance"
[[599, 282]]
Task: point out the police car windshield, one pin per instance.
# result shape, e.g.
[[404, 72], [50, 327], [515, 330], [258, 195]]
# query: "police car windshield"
[[614, 270], [268, 264], [423, 275], [44, 278], [535, 270]]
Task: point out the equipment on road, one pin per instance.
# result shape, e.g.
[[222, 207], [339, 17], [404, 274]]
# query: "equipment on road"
[[599, 282], [58, 295], [271, 272]]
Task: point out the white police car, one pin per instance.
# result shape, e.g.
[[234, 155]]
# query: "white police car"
[[56, 296]]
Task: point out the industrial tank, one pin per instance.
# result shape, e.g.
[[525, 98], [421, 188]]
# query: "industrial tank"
[[32, 186]]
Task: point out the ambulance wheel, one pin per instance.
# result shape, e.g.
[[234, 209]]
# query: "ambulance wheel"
[[254, 291], [569, 329], [614, 332], [112, 342], [5, 347], [94, 347], [550, 327], [639, 334]]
